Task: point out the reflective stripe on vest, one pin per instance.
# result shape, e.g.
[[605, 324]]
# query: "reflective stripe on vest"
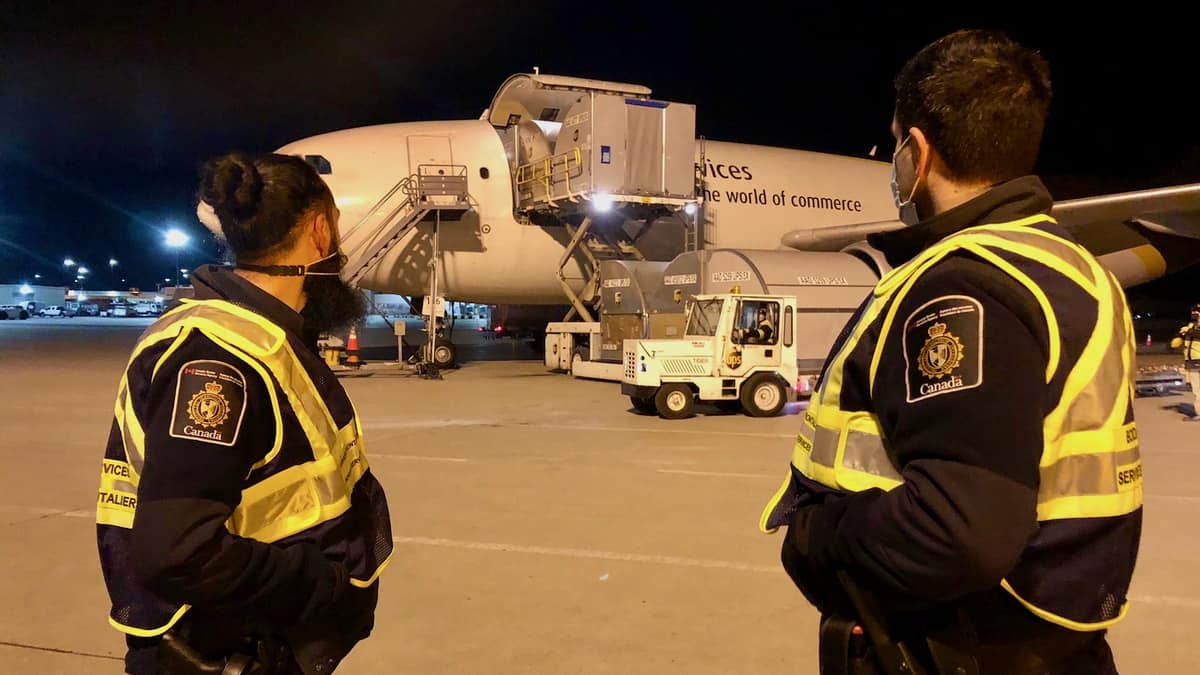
[[1090, 465], [283, 504]]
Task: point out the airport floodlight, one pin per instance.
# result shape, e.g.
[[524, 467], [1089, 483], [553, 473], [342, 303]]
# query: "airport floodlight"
[[26, 289], [603, 201], [112, 262], [83, 271], [68, 262], [37, 276], [176, 238]]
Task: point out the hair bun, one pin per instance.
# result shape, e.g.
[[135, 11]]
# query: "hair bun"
[[233, 186]]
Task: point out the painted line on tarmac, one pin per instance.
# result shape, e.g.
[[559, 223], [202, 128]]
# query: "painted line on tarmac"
[[29, 510], [43, 512], [565, 427], [428, 424], [18, 645], [1163, 600], [639, 430], [1173, 498], [587, 553], [419, 458], [720, 474], [1167, 601]]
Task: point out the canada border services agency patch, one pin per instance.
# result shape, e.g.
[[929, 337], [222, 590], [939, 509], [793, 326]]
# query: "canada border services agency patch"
[[943, 347], [210, 401]]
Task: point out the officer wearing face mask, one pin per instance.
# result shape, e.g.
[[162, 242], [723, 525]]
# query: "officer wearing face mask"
[[969, 461], [240, 527]]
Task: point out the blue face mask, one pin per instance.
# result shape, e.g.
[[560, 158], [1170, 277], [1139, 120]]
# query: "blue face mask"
[[906, 206]]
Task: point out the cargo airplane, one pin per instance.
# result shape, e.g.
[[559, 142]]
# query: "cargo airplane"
[[551, 152]]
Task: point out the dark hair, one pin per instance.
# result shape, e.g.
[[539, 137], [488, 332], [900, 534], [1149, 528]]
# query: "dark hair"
[[981, 100], [261, 199]]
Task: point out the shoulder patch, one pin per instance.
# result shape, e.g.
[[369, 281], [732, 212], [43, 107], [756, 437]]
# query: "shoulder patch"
[[210, 401], [943, 347]]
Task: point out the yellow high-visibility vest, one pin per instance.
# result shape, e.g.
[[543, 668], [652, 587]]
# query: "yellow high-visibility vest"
[[291, 499], [1090, 465]]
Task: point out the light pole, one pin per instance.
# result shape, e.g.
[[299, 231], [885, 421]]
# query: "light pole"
[[112, 275], [176, 239]]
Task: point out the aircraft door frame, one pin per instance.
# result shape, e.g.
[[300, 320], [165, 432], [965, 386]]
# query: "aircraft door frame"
[[428, 149]]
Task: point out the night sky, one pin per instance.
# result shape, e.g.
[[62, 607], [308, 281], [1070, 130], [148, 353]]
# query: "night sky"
[[106, 112]]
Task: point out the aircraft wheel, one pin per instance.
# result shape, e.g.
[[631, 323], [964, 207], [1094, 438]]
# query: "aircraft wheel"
[[444, 355]]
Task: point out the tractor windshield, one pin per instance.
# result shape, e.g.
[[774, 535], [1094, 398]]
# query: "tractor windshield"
[[704, 317]]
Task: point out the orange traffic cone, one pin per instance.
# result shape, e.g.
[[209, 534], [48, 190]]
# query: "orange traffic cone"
[[352, 348]]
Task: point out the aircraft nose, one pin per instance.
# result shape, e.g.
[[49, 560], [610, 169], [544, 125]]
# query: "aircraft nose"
[[325, 160]]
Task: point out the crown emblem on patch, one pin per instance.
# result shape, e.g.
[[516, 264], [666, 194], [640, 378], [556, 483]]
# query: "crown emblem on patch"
[[942, 353], [208, 408]]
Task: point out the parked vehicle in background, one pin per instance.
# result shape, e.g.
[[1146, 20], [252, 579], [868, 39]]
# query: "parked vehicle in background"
[[13, 312]]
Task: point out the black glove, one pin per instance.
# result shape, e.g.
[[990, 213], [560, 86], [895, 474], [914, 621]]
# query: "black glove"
[[816, 578], [322, 642]]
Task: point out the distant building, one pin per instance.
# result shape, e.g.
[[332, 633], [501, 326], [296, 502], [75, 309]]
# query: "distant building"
[[23, 294], [170, 293]]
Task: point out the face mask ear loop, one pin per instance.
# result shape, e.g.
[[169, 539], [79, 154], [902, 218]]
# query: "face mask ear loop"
[[335, 255], [912, 193], [907, 207]]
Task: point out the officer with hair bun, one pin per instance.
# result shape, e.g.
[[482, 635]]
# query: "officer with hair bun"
[[240, 527]]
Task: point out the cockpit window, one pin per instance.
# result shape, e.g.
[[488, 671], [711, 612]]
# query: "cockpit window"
[[319, 163]]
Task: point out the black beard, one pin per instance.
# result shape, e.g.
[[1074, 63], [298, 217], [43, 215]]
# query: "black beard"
[[332, 305]]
